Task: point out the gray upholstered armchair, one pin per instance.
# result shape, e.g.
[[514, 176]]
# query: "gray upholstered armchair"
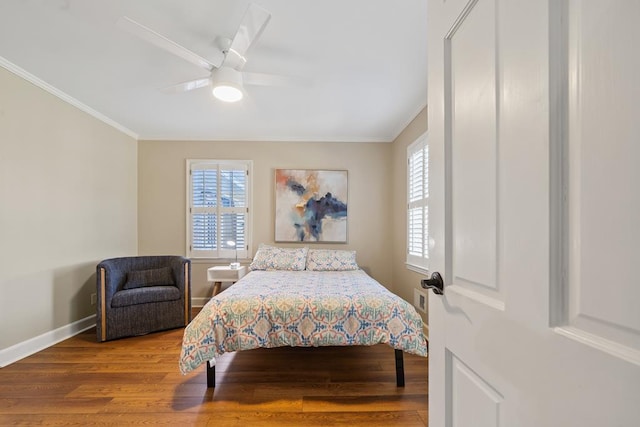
[[142, 294]]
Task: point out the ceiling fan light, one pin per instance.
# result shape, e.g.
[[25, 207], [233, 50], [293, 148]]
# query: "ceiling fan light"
[[227, 84], [227, 93]]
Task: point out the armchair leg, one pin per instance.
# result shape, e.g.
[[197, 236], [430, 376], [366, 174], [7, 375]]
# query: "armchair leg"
[[187, 297], [103, 309]]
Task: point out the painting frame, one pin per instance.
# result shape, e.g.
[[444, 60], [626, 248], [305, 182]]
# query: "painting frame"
[[311, 205]]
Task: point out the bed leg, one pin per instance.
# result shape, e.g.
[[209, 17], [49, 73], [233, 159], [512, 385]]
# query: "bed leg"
[[399, 369], [211, 375]]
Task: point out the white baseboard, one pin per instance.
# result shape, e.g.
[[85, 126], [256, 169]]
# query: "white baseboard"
[[26, 348]]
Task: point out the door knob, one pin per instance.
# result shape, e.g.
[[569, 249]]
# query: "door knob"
[[435, 283]]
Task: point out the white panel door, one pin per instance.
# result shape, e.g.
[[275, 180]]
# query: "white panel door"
[[534, 133]]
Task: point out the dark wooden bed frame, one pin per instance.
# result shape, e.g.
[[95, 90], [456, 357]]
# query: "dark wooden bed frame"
[[211, 371]]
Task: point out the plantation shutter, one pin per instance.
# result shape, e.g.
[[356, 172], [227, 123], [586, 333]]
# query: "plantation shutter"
[[233, 208], [218, 210], [204, 212], [418, 204]]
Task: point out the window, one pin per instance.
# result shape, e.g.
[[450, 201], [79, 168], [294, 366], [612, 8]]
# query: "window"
[[218, 215], [418, 205]]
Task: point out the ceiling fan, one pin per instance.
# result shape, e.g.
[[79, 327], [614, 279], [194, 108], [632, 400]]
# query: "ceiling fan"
[[225, 70]]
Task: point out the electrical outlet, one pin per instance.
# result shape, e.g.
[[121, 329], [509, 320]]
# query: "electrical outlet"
[[419, 300], [94, 298]]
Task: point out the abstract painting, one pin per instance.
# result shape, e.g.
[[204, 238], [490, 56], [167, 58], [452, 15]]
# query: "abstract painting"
[[311, 205]]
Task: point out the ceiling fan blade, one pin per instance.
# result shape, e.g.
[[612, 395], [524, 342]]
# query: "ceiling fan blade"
[[162, 42], [254, 21], [187, 86], [260, 79]]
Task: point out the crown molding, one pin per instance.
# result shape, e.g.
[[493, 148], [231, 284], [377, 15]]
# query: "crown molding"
[[20, 72]]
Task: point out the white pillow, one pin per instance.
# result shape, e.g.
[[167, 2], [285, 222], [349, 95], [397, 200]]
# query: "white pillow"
[[274, 258], [331, 260]]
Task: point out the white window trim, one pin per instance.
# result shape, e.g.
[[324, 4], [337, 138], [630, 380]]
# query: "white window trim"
[[421, 270], [417, 263], [226, 255]]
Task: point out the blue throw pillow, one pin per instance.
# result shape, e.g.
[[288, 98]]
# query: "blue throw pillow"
[[154, 277]]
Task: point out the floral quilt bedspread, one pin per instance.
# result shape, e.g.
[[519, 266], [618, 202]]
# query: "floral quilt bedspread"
[[301, 309]]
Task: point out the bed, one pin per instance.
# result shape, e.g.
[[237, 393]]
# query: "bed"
[[303, 304]]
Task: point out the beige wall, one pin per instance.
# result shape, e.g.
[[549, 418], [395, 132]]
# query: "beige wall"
[[74, 190], [162, 195], [68, 195], [404, 280]]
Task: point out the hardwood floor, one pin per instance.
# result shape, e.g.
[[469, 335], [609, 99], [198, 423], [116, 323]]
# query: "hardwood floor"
[[136, 381]]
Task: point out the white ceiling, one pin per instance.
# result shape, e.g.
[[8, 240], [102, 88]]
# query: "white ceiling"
[[365, 61]]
